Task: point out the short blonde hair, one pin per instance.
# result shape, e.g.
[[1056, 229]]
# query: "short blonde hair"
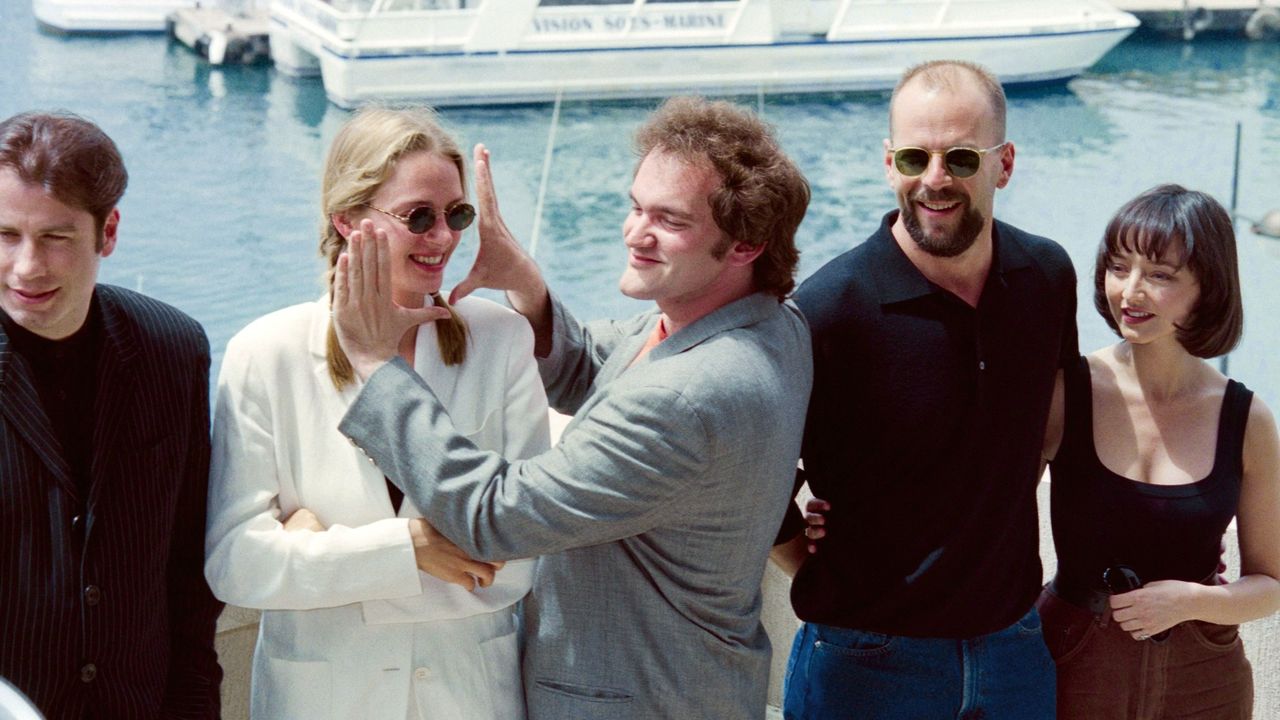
[[361, 159], [946, 74]]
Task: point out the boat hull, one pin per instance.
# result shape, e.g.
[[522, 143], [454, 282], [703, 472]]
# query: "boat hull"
[[448, 52], [521, 77], [96, 16]]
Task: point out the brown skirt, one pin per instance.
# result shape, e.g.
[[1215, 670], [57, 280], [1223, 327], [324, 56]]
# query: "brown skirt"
[[1199, 672]]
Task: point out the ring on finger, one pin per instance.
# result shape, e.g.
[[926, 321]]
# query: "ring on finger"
[[1143, 636]]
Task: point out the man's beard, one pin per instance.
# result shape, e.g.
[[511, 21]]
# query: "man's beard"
[[945, 246]]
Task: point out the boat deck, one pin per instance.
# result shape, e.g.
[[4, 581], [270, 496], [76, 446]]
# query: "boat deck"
[[1137, 6]]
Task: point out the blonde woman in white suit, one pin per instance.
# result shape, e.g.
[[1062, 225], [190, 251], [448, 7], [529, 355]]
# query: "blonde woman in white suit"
[[367, 611]]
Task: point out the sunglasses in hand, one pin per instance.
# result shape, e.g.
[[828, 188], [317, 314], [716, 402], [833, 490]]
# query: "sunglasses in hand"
[[1121, 579]]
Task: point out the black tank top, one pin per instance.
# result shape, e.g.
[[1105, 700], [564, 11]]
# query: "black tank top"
[[1163, 532]]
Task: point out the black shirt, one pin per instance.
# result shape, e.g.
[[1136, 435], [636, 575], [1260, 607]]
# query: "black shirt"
[[64, 373], [925, 433], [1163, 532], [104, 609]]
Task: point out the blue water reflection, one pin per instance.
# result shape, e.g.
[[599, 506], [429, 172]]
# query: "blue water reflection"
[[221, 215]]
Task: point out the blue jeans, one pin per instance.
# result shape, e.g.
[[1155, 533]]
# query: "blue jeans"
[[839, 673]]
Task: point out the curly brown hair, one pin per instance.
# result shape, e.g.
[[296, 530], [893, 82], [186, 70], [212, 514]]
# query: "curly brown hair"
[[762, 195]]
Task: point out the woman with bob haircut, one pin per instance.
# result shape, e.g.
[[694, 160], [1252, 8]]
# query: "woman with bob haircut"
[[1153, 452], [367, 611]]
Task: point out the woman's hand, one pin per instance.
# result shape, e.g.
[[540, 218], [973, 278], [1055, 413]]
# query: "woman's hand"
[[438, 557], [368, 322], [790, 555], [1155, 607], [303, 519], [816, 520]]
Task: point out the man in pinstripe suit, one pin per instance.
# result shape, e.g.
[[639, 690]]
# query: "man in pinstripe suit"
[[104, 450]]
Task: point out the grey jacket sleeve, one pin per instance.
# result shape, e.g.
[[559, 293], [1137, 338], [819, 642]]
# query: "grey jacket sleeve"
[[628, 463], [578, 352]]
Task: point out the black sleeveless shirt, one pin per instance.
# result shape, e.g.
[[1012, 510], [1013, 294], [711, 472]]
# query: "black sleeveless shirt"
[[1163, 532]]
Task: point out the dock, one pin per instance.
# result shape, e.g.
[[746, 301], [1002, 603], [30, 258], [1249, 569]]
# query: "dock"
[[1255, 19], [220, 36]]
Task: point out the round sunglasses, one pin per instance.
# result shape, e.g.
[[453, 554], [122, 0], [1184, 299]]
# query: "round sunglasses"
[[961, 162], [457, 216]]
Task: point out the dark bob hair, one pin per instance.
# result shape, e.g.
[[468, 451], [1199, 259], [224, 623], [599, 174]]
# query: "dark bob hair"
[[1192, 224]]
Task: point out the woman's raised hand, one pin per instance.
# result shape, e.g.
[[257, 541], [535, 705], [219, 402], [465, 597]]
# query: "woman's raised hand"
[[368, 322]]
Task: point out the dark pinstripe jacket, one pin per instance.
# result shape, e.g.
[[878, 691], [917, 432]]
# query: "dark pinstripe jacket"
[[120, 623]]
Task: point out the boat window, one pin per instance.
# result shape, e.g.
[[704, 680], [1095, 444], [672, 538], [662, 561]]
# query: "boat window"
[[551, 3], [400, 5], [406, 5]]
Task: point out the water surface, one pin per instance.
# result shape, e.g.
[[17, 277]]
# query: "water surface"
[[221, 215]]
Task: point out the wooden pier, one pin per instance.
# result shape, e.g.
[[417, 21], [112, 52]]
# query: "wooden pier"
[[1256, 19]]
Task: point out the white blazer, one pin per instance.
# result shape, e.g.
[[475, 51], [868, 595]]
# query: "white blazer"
[[342, 607]]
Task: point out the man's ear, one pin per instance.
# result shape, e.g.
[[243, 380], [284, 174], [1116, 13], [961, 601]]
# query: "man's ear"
[[741, 254], [110, 231], [1006, 164]]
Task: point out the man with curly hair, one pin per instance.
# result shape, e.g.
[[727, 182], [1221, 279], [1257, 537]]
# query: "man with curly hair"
[[655, 512]]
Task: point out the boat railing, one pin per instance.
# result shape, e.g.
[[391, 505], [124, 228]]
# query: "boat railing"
[[879, 19], [496, 25], [364, 7], [383, 25], [358, 27], [804, 17]]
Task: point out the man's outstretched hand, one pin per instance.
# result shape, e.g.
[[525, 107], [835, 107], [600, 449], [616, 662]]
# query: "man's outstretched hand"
[[501, 264]]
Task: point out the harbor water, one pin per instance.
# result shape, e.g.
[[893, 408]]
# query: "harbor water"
[[221, 217]]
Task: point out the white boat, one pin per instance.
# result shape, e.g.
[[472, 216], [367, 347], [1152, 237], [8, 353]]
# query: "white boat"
[[81, 16], [456, 52]]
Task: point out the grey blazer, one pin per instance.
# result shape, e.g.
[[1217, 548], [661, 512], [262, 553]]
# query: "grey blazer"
[[654, 514]]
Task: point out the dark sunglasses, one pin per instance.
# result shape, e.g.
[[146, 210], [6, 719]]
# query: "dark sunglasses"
[[1121, 579], [421, 219], [961, 162]]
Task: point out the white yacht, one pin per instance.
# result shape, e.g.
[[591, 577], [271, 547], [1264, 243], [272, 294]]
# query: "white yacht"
[[456, 52], [78, 16]]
